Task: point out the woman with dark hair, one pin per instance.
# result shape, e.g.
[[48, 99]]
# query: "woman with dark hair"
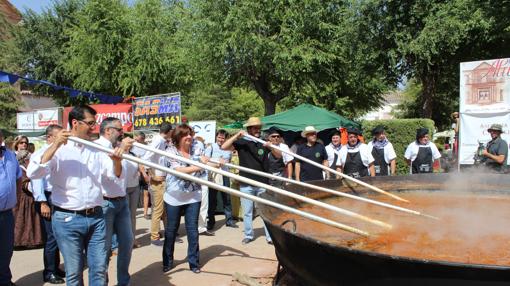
[[20, 143], [183, 197], [27, 228]]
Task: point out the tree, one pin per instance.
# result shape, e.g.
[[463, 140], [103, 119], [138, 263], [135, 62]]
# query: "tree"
[[97, 45], [296, 49], [223, 105], [150, 64], [9, 104], [427, 40], [38, 45]]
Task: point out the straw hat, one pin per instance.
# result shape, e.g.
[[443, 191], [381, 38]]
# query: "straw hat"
[[253, 121], [308, 129], [496, 127]]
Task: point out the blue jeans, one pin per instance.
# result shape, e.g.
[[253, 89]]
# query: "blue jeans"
[[173, 215], [6, 245], [118, 221], [248, 210], [51, 254], [78, 235]]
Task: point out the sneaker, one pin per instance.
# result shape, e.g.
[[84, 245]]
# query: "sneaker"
[[157, 242], [246, 240], [207, 233], [196, 270]]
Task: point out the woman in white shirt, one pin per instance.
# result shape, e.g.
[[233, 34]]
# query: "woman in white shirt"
[[182, 196]]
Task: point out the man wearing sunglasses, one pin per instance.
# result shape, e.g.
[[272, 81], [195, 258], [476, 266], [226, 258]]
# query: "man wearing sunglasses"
[[116, 205], [77, 174], [279, 166]]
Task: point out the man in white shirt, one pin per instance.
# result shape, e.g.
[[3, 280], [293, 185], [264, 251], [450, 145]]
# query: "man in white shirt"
[[422, 154], [76, 173], [157, 180], [333, 151], [355, 158], [383, 153], [115, 206], [42, 195]]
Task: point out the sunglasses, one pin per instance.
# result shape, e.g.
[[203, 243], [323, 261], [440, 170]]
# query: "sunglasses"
[[89, 123], [274, 136]]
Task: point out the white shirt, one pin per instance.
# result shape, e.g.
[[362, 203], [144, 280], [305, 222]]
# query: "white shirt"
[[115, 187], [39, 186], [366, 156], [132, 172], [286, 157], [389, 151], [413, 149], [75, 172], [160, 143], [332, 150]]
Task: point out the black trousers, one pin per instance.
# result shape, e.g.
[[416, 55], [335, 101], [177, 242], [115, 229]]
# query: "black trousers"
[[213, 203], [51, 254]]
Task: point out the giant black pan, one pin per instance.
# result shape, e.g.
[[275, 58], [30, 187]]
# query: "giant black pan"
[[314, 262]]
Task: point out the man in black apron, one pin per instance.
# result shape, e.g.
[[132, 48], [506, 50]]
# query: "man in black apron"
[[383, 152], [355, 156], [422, 154], [333, 150], [496, 152]]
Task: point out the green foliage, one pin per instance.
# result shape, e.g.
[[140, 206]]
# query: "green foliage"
[[224, 106], [400, 132], [9, 104], [298, 49], [97, 45]]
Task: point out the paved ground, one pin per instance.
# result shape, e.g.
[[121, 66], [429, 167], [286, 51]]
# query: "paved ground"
[[221, 257]]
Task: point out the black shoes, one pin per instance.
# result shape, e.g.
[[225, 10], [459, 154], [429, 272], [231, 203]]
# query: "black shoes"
[[210, 225], [60, 273], [247, 240], [269, 242], [53, 279], [167, 268]]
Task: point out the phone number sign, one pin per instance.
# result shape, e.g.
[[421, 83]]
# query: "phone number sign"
[[150, 112]]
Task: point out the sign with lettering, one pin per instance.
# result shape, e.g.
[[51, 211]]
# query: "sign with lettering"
[[150, 112]]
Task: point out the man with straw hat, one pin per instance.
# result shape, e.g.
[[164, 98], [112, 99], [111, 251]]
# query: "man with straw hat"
[[252, 155], [496, 152], [314, 151]]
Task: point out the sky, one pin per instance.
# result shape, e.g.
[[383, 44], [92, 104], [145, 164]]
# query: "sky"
[[36, 5]]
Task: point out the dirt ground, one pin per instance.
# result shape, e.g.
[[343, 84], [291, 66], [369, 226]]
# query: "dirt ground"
[[223, 259]]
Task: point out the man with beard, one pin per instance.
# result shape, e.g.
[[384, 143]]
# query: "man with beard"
[[252, 155], [41, 189], [76, 173], [116, 205], [279, 166], [496, 152], [383, 153], [356, 159], [314, 151], [421, 154]]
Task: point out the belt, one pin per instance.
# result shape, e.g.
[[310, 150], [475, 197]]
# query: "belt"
[[84, 212], [5, 211], [113, 199]]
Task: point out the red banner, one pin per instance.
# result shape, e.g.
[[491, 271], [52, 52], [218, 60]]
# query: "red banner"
[[122, 111]]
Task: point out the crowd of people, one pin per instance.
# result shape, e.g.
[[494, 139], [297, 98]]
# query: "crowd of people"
[[81, 203]]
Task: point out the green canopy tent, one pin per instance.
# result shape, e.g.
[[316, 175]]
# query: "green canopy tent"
[[294, 120], [297, 118]]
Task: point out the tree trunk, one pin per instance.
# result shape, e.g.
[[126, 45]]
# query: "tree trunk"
[[428, 81], [270, 99]]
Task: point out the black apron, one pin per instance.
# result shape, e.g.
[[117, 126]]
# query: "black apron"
[[354, 166], [277, 168], [335, 159], [423, 161], [380, 165]]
